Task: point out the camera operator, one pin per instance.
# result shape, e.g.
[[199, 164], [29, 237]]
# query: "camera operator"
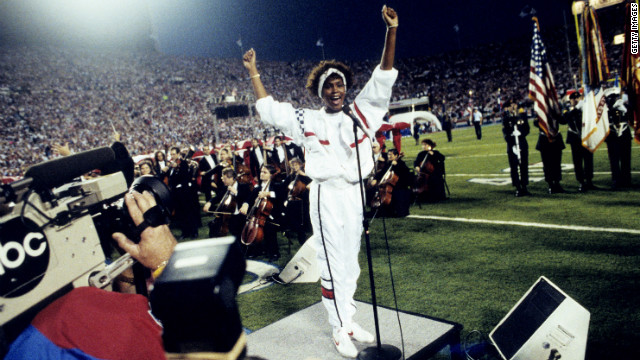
[[92, 323]]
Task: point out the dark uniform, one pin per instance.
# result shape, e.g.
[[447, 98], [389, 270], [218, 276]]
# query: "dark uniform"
[[435, 182], [379, 164], [447, 125], [255, 161], [184, 193], [582, 157], [551, 155], [401, 194], [205, 166], [515, 129], [295, 209], [272, 225], [619, 144], [231, 204]]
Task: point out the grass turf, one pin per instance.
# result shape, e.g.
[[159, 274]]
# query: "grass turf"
[[473, 274]]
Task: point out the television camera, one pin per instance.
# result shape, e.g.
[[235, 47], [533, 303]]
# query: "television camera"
[[55, 230]]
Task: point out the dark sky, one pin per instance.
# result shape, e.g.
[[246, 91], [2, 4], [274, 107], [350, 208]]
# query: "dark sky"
[[277, 29], [289, 29]]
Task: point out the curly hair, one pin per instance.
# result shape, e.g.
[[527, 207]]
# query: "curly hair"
[[429, 142], [314, 76]]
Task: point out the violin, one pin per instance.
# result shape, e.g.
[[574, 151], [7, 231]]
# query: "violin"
[[422, 178], [296, 188], [243, 174], [253, 230]]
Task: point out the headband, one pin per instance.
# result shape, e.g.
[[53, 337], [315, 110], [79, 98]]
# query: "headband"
[[324, 77]]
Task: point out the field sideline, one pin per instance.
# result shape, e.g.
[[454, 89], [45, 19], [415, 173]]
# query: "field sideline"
[[470, 258]]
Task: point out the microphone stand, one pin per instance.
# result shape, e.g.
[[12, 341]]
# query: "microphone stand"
[[380, 352]]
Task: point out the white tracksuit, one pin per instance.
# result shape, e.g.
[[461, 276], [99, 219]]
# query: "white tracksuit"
[[331, 162]]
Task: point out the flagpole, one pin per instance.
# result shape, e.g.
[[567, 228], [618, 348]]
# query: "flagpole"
[[566, 36]]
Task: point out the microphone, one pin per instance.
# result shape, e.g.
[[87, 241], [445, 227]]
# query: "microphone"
[[123, 162], [347, 110], [57, 172]]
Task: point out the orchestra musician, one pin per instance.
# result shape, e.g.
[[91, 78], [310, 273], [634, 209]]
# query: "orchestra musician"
[[206, 164], [273, 192], [234, 154], [233, 206], [161, 166], [430, 170], [280, 155], [331, 161], [379, 163], [401, 185], [254, 157], [296, 205], [293, 151], [217, 185], [184, 192]]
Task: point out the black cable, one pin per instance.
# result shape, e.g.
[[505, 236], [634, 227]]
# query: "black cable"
[[26, 202], [326, 255], [393, 286], [465, 343]]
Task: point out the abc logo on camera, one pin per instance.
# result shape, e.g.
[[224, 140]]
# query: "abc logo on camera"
[[24, 257]]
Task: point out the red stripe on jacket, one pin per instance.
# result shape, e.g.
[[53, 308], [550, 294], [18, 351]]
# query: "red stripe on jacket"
[[364, 119], [323, 142]]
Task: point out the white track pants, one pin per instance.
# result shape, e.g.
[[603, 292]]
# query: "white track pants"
[[336, 217]]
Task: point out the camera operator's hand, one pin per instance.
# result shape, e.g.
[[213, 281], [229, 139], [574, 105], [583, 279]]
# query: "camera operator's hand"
[[156, 243]]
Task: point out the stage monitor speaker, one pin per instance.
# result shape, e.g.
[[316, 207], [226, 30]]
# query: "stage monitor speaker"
[[303, 267], [546, 324]]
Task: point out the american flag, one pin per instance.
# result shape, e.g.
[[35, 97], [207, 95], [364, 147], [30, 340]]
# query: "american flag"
[[542, 89]]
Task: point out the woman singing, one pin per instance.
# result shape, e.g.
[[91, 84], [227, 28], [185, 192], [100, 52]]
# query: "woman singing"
[[328, 138]]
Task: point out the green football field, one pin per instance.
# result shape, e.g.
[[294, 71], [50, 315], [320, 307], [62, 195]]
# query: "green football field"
[[470, 258]]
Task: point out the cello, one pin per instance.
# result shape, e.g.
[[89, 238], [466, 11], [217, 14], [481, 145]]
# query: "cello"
[[243, 172], [422, 178], [384, 193], [296, 189], [220, 225], [253, 230]]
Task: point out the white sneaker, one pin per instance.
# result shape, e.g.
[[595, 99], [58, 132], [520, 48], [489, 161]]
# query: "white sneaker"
[[360, 334], [342, 341]]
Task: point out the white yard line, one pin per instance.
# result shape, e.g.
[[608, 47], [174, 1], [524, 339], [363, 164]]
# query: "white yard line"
[[528, 224], [530, 171]]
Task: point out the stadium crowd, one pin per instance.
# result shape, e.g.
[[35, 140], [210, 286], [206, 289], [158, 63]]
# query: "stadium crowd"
[[80, 96]]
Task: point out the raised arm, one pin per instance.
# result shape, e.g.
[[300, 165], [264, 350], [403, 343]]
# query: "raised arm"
[[388, 54], [249, 62]]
